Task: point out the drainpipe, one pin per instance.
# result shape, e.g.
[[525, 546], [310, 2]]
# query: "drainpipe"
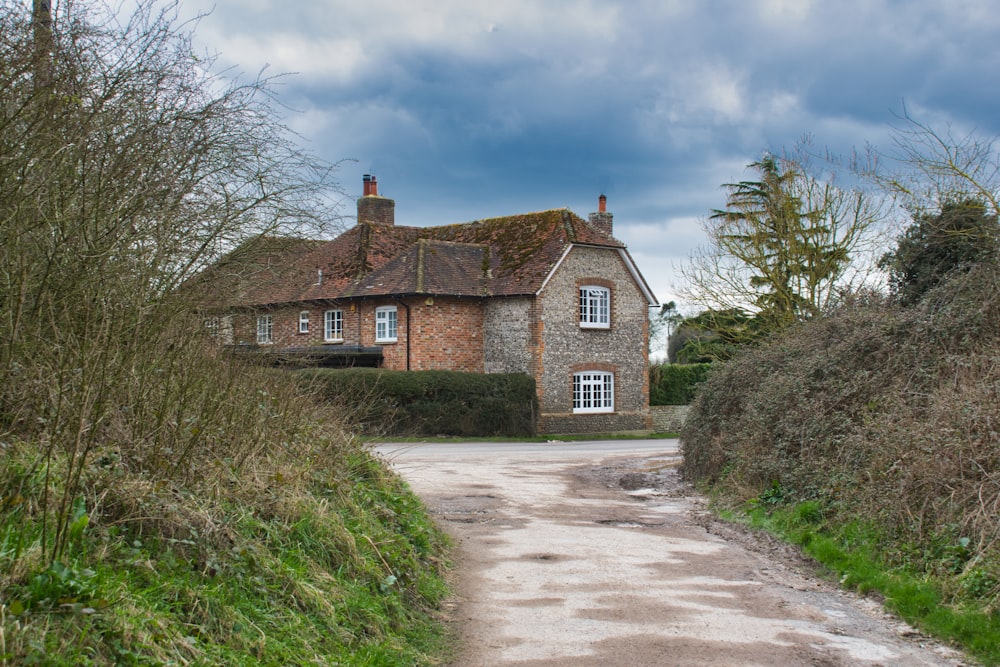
[[407, 332]]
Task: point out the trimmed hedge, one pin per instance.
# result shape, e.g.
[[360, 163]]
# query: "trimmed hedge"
[[675, 384], [430, 403]]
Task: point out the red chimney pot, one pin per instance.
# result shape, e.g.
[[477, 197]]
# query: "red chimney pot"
[[602, 204]]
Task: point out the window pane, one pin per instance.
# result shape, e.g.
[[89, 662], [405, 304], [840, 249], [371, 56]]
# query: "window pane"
[[595, 306], [385, 323], [593, 391], [264, 329], [333, 325]]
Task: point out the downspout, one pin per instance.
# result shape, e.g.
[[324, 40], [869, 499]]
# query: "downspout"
[[357, 309], [407, 332]]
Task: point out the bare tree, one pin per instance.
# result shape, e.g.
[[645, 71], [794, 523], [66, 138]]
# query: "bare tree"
[[127, 164], [926, 167]]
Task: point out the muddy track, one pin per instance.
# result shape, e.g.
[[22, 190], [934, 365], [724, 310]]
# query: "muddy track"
[[596, 559]]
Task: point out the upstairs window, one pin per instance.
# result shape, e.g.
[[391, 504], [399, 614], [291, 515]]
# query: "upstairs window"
[[304, 321], [593, 391], [333, 325], [264, 330], [595, 307], [385, 324]]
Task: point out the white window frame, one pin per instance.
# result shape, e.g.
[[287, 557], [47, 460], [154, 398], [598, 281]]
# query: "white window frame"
[[386, 324], [212, 326], [593, 392], [304, 321], [595, 307], [333, 326], [265, 329]]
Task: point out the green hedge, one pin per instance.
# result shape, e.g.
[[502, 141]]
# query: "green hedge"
[[430, 403], [675, 384]]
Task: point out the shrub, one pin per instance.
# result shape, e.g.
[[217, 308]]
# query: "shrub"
[[675, 384], [877, 410], [430, 402]]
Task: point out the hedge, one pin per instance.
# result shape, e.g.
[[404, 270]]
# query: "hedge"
[[675, 384], [430, 403]]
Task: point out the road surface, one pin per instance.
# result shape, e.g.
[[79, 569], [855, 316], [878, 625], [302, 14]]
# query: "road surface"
[[595, 554]]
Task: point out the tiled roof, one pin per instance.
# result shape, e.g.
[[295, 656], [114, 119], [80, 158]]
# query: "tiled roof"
[[495, 257], [255, 272]]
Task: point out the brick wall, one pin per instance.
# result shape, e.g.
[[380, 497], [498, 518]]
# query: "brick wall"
[[285, 326], [446, 333], [566, 347]]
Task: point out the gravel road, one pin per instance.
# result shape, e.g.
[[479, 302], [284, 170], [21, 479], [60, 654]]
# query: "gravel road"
[[596, 554]]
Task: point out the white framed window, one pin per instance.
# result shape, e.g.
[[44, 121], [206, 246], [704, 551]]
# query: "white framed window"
[[304, 321], [264, 324], [385, 324], [593, 391], [595, 307], [333, 325]]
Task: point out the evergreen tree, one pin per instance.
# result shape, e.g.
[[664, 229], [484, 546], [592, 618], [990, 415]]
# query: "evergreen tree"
[[956, 238]]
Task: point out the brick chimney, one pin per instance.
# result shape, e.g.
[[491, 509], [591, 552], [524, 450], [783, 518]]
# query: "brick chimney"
[[375, 209], [601, 221]]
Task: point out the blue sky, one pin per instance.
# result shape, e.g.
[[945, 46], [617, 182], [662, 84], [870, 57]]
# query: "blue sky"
[[468, 109]]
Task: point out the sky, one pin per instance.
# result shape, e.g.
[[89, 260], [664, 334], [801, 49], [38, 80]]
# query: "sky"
[[471, 109]]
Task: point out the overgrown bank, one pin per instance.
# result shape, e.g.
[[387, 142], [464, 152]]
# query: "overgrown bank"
[[304, 550], [872, 433]]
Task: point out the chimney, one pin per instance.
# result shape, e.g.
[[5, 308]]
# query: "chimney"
[[601, 221], [372, 208]]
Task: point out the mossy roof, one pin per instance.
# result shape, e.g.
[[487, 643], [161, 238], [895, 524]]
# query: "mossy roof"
[[504, 256]]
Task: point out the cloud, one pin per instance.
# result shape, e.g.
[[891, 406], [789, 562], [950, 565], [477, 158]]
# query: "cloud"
[[474, 108]]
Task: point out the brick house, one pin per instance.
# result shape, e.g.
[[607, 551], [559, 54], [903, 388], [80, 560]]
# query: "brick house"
[[548, 294]]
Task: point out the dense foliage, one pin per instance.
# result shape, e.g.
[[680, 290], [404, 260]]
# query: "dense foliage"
[[675, 384], [878, 413], [955, 238], [430, 402], [713, 335]]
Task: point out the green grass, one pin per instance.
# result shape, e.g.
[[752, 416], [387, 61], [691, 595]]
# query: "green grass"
[[346, 570], [857, 556]]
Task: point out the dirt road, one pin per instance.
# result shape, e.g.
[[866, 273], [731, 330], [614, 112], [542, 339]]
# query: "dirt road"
[[595, 554]]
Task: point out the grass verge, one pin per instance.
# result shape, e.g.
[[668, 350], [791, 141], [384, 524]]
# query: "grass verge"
[[326, 565], [855, 555]]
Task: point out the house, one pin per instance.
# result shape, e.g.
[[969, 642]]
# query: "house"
[[547, 293]]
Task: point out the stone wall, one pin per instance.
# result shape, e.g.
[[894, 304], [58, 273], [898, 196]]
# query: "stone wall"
[[668, 418], [566, 347], [507, 335]]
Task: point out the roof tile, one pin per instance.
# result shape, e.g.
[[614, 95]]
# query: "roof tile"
[[495, 257]]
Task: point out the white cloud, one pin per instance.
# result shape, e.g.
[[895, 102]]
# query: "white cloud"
[[283, 52], [784, 11]]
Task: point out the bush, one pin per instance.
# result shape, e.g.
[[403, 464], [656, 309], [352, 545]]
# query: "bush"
[[876, 410], [675, 384], [430, 402]]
